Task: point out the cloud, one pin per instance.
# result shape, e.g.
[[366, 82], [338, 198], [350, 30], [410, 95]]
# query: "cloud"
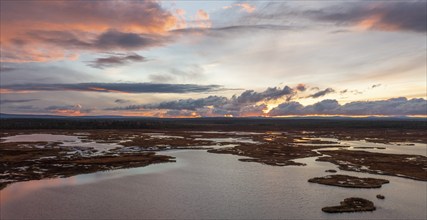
[[180, 15], [355, 91], [394, 106], [161, 78], [287, 108], [385, 16], [243, 6], [246, 6], [250, 96], [248, 103], [70, 110], [116, 60], [67, 110], [375, 86], [111, 39], [138, 16], [182, 104], [202, 19], [4, 69], [114, 39], [113, 87], [323, 107], [390, 107], [221, 31], [7, 101], [321, 93], [252, 103], [121, 101], [51, 30], [301, 87], [409, 16], [180, 114]]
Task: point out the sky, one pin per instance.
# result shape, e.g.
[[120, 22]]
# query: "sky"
[[213, 58]]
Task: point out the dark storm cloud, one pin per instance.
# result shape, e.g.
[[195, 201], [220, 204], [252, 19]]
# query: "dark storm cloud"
[[116, 60], [321, 93], [389, 16], [395, 106], [114, 87]]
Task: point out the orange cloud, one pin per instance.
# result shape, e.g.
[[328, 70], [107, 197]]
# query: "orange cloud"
[[243, 6], [384, 16], [11, 91], [376, 22], [75, 22], [202, 19], [68, 112], [246, 6], [181, 22]]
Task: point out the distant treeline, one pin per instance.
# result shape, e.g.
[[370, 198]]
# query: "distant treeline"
[[246, 124]]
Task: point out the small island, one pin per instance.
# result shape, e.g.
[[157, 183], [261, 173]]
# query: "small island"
[[352, 204], [349, 181]]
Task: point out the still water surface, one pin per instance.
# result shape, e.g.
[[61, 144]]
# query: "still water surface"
[[204, 185]]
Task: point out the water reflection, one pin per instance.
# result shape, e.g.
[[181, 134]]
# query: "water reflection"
[[203, 185]]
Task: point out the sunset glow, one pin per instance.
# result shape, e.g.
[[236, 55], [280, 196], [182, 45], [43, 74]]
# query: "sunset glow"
[[216, 59]]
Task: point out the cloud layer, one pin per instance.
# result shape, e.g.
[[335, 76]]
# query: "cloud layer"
[[387, 16], [248, 103], [49, 30], [390, 107], [111, 88], [116, 60]]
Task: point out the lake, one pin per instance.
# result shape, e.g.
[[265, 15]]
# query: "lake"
[[205, 185]]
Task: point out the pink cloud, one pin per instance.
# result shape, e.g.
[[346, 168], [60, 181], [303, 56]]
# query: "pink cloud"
[[31, 30], [202, 19]]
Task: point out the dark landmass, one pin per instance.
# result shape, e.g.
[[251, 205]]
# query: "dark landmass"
[[331, 171], [352, 204], [401, 165], [349, 181], [379, 196], [274, 142], [23, 161], [378, 148], [276, 154], [230, 124], [377, 130]]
